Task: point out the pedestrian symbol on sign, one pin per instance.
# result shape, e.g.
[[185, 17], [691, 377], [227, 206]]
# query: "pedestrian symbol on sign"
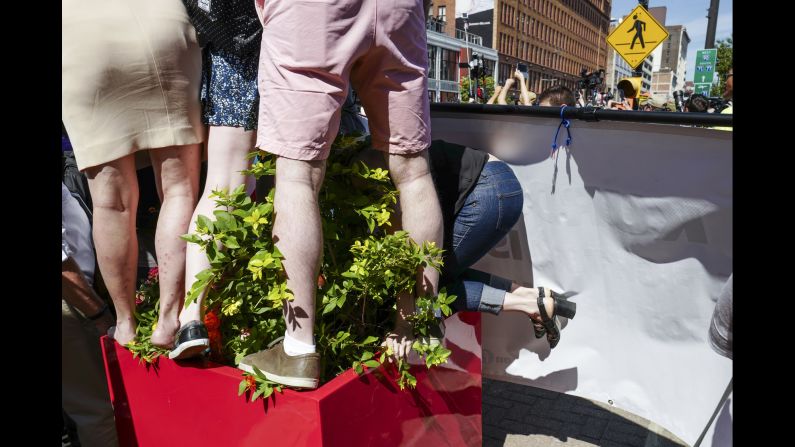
[[639, 27]]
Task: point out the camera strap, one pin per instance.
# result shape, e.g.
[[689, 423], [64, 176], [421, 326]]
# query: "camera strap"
[[565, 123]]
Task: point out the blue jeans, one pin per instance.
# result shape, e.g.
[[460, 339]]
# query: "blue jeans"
[[490, 211]]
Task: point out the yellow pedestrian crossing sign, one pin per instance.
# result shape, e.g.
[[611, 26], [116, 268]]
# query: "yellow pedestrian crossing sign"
[[637, 36]]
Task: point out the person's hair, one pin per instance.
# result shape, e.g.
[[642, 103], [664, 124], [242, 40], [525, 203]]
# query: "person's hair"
[[697, 103], [557, 95]]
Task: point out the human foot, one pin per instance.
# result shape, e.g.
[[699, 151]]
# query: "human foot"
[[191, 341], [542, 306], [123, 332], [299, 371], [164, 333]]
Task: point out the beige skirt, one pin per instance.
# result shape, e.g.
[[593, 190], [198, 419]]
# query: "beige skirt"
[[131, 73]]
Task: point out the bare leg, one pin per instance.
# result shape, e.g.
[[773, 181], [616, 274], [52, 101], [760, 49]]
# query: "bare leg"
[[177, 170], [422, 219], [297, 234], [114, 191], [227, 151]]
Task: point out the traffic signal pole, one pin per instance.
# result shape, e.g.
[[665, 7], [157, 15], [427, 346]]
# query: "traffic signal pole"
[[712, 23]]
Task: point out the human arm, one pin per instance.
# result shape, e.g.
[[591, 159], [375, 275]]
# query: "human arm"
[[77, 292], [497, 90], [525, 92], [501, 98]]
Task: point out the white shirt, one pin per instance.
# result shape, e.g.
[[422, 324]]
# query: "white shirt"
[[76, 240]]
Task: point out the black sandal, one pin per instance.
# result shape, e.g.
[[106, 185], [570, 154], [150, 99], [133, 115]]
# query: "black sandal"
[[562, 307]]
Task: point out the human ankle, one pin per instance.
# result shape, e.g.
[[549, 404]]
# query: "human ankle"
[[521, 300], [294, 347]]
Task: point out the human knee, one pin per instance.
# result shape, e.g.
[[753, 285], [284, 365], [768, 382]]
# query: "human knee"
[[407, 169], [112, 190], [299, 175], [178, 168]]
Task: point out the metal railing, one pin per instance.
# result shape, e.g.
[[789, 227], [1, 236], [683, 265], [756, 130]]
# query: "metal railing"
[[468, 37], [445, 86], [592, 114], [434, 24]]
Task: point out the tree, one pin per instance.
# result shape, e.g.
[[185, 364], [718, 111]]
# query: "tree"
[[724, 63], [487, 84]]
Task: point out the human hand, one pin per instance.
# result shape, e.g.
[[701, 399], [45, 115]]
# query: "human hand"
[[399, 341]]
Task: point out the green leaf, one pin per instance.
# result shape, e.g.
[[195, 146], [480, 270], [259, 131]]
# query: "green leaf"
[[329, 307], [192, 238], [242, 388], [259, 373], [231, 242], [256, 395], [204, 222], [370, 339], [372, 364]]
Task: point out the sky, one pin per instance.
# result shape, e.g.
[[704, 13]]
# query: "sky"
[[690, 13]]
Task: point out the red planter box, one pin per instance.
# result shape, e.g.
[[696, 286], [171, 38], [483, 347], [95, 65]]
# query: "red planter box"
[[196, 404]]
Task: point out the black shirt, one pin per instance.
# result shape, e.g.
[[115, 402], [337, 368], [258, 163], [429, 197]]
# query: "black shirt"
[[455, 170]]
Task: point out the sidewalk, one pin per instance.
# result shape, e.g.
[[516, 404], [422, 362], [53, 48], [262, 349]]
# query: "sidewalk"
[[523, 416]]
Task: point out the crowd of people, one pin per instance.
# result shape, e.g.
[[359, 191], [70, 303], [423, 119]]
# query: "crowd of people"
[[180, 81], [515, 91]]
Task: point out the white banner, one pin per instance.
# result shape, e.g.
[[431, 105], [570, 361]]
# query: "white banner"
[[636, 218]]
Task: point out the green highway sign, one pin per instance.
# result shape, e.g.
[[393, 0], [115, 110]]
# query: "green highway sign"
[[702, 88], [705, 66]]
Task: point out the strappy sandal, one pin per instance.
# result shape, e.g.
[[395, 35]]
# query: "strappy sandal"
[[562, 307]]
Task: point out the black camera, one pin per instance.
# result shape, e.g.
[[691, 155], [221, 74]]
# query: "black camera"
[[718, 104], [590, 80]]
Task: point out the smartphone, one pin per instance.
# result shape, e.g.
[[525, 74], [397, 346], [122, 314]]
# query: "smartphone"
[[523, 69]]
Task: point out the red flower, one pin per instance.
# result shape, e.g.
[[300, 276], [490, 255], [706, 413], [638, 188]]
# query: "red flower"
[[213, 325], [211, 321], [321, 281], [152, 273], [139, 298], [252, 384]]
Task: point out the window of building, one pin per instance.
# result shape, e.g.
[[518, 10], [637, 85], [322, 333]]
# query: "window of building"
[[448, 69], [442, 13], [432, 62]]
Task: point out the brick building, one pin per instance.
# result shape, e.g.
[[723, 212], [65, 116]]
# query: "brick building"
[[556, 39]]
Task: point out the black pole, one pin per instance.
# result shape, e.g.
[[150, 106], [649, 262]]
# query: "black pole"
[[638, 72], [712, 24]]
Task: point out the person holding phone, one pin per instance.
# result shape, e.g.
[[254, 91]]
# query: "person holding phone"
[[526, 97]]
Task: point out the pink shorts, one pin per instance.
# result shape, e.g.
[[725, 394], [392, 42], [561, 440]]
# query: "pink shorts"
[[311, 49]]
